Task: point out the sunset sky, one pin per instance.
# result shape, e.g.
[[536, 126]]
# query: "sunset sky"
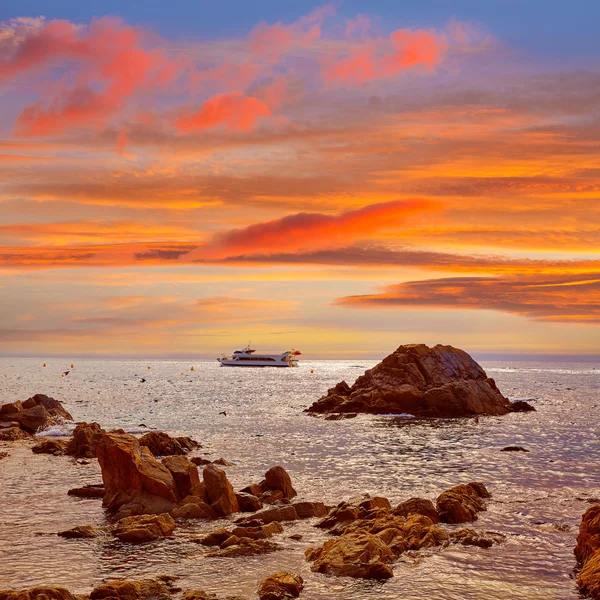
[[179, 177]]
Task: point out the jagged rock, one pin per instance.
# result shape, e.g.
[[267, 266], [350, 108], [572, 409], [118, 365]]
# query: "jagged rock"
[[88, 491], [198, 460], [255, 489], [50, 446], [260, 532], [193, 507], [221, 496], [277, 478], [340, 416], [461, 503], [273, 497], [244, 547], [35, 414], [184, 472], [355, 508], [38, 593], [280, 513], [248, 502], [521, 406], [514, 449], [3, 455], [587, 552], [162, 444], [12, 434], [84, 441], [144, 528], [135, 482], [426, 382], [144, 589], [215, 538], [280, 586], [307, 510], [471, 537], [222, 462], [417, 506], [81, 531]]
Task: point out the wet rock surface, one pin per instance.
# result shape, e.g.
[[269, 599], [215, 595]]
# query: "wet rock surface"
[[442, 381], [35, 413], [281, 586], [587, 553], [461, 503], [143, 528]]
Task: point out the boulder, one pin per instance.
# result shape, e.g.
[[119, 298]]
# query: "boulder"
[[248, 502], [587, 553], [236, 547], [417, 506], [442, 381], [50, 446], [143, 528], [202, 595], [193, 507], [81, 531], [461, 503], [307, 510], [277, 478], [280, 513], [255, 489], [38, 593], [88, 491], [3, 455], [521, 406], [280, 586], [134, 481], [184, 472], [84, 441], [359, 554], [12, 434], [513, 449], [144, 589], [471, 537], [198, 460], [221, 496], [162, 444], [35, 414]]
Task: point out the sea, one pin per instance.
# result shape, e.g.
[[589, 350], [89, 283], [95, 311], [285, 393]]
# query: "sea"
[[254, 418]]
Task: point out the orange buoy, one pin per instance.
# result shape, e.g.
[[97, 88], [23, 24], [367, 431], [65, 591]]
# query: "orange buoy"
[[192, 368], [72, 366], [148, 367], [63, 375], [44, 364], [312, 371]]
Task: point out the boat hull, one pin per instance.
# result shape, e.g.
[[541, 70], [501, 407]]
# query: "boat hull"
[[257, 365]]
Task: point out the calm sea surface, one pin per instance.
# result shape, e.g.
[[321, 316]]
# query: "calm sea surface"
[[538, 497]]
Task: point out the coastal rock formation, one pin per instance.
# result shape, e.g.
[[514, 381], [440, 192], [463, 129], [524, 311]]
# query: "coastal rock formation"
[[184, 472], [202, 595], [38, 593], [144, 589], [81, 531], [162, 444], [417, 506], [461, 503], [12, 434], [425, 382], [587, 553], [135, 482], [277, 478], [88, 491], [35, 414], [471, 537], [221, 496], [144, 528], [281, 586], [86, 437], [50, 446]]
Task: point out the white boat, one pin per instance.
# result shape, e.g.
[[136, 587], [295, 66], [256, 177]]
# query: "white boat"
[[248, 358]]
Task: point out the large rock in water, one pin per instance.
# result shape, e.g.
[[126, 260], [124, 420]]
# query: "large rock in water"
[[587, 553], [425, 382], [35, 414]]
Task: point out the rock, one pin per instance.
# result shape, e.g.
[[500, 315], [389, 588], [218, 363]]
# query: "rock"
[[280, 513], [280, 586], [273, 497], [88, 491], [81, 531], [296, 537], [587, 552], [425, 382], [521, 406], [344, 512], [306, 510], [35, 414], [514, 449], [50, 446], [135, 482], [144, 589], [193, 507], [198, 460], [215, 538], [471, 537], [184, 472], [162, 444], [144, 528], [341, 416], [8, 424], [360, 554], [54, 407], [3, 455], [85, 439], [461, 503], [38, 593], [202, 595], [245, 547], [261, 532], [222, 462], [255, 489], [417, 506], [12, 434], [277, 478], [248, 502], [220, 493]]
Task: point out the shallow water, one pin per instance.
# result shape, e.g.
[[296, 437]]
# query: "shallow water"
[[538, 497]]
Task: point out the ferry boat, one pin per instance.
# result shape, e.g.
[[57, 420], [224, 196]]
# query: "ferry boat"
[[248, 358]]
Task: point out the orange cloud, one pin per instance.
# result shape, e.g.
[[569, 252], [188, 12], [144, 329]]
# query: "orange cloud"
[[568, 298], [304, 231], [380, 59], [235, 111]]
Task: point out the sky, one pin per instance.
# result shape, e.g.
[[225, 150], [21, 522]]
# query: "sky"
[[179, 178]]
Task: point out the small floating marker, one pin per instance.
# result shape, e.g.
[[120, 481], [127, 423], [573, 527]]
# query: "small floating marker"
[[312, 370], [72, 366], [148, 367], [191, 368], [44, 364]]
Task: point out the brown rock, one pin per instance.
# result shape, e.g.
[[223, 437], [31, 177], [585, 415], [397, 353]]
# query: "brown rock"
[[345, 512], [12, 434], [273, 497], [588, 578], [38, 593], [281, 586], [193, 507], [245, 547], [50, 446], [184, 472], [162, 444], [280, 513], [587, 553], [144, 589], [255, 489], [3, 455], [261, 532], [277, 478], [202, 595], [222, 462], [417, 506], [378, 502], [521, 406], [10, 408], [35, 414], [461, 503], [359, 554], [54, 407], [81, 531], [85, 439], [514, 449], [8, 424], [144, 528], [248, 502], [471, 537], [135, 482], [426, 382], [88, 491], [306, 510], [220, 492], [198, 460], [215, 538]]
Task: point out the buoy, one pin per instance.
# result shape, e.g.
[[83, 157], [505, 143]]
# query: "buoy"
[[63, 375], [312, 371], [72, 365], [148, 367], [192, 368], [44, 364]]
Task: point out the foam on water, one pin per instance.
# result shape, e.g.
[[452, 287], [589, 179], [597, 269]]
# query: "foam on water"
[[64, 428]]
